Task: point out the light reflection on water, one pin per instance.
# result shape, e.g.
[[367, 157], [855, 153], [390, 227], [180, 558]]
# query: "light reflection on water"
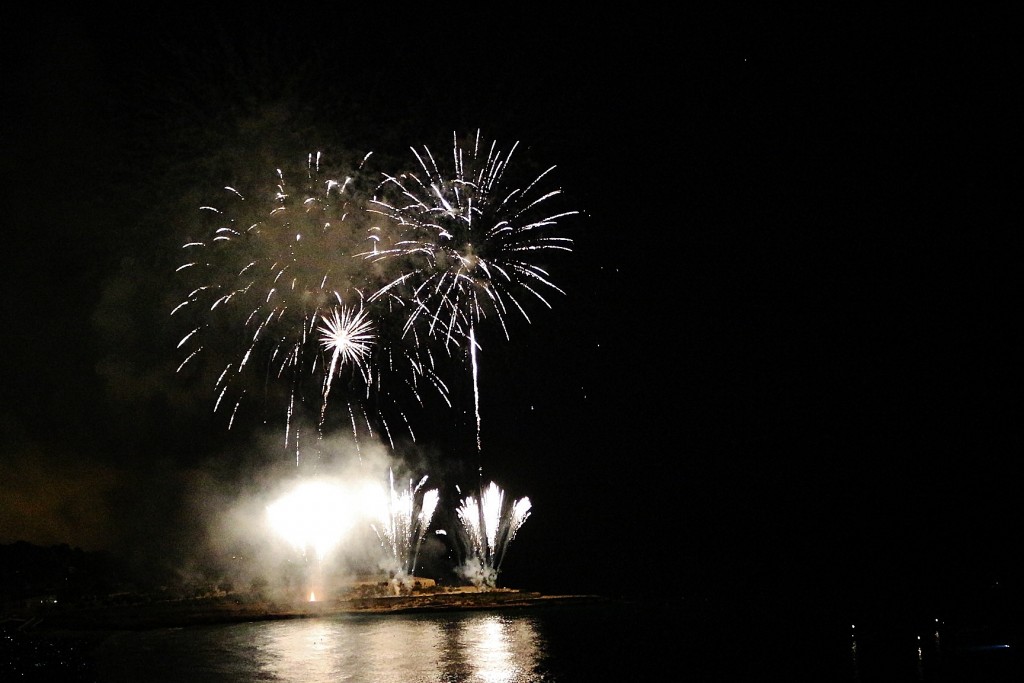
[[484, 647], [572, 644]]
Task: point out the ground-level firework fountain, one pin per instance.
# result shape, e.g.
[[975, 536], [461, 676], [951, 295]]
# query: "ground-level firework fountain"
[[401, 525], [323, 519], [488, 527]]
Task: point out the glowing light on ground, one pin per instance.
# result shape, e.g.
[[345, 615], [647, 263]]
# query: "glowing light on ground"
[[314, 515]]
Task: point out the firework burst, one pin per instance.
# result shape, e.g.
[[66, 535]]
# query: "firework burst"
[[348, 336], [315, 515], [279, 290], [465, 239]]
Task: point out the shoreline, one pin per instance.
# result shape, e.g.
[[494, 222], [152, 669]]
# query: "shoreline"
[[239, 608]]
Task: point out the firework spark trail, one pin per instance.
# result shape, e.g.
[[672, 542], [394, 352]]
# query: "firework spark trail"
[[464, 238], [488, 527], [279, 281]]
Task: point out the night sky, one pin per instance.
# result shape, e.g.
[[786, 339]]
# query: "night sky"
[[784, 363]]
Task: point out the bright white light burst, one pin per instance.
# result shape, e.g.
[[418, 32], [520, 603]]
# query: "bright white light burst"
[[315, 515]]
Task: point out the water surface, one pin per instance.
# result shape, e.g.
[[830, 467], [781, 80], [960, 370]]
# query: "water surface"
[[631, 641]]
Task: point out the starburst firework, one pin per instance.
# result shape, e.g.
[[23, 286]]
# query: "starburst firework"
[[325, 291], [348, 336], [464, 238]]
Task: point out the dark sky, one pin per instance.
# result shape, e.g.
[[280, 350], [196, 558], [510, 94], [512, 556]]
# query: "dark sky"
[[784, 360]]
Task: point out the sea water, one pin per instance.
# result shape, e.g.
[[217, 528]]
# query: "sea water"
[[605, 641]]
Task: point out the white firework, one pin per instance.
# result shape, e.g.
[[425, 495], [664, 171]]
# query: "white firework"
[[488, 526], [278, 298], [465, 240]]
